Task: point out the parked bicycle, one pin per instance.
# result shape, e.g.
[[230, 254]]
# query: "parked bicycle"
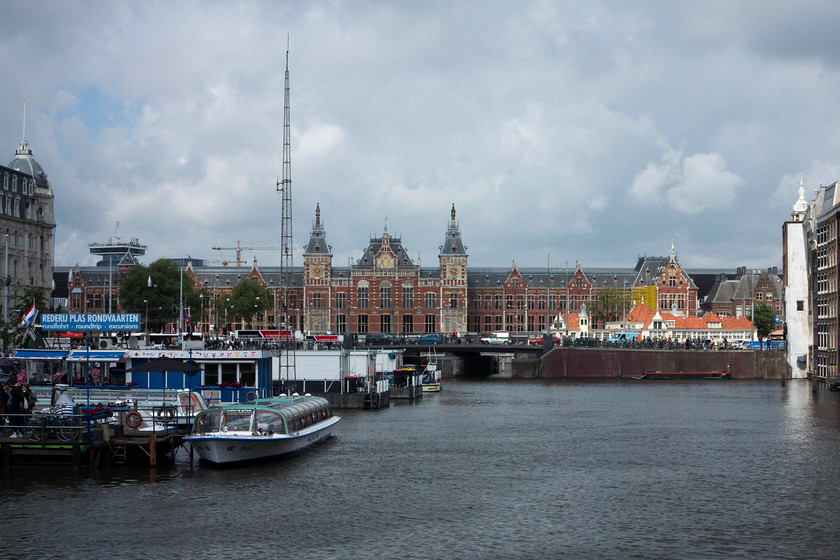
[[52, 423]]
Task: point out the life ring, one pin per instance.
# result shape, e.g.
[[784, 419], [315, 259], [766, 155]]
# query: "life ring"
[[250, 396], [166, 413], [133, 420]]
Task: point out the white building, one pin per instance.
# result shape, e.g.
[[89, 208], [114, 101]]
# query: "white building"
[[795, 280]]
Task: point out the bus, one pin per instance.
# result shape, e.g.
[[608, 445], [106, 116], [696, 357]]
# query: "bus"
[[170, 340], [256, 334]]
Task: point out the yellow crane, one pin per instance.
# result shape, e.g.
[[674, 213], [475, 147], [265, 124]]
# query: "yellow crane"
[[239, 250]]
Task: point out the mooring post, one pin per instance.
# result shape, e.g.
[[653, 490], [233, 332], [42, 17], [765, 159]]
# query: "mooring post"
[[152, 450]]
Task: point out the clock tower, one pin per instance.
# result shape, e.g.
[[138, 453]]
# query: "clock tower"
[[317, 266], [453, 279]]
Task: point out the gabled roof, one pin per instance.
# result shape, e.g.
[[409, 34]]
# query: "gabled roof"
[[640, 314], [375, 246]]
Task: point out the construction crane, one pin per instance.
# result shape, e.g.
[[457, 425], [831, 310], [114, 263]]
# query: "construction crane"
[[239, 250]]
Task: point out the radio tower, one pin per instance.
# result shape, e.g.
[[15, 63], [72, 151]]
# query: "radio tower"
[[288, 374]]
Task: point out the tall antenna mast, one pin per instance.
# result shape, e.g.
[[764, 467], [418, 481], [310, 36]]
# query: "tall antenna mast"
[[284, 187]]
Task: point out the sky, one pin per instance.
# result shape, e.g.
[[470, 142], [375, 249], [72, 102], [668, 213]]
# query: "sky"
[[563, 132]]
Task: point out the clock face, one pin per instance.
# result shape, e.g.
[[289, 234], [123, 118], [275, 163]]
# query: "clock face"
[[453, 272], [317, 272]]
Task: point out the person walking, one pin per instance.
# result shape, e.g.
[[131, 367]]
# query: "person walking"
[[15, 410]]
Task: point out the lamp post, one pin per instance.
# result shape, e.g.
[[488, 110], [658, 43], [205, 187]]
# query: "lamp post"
[[6, 282], [624, 306], [146, 316]]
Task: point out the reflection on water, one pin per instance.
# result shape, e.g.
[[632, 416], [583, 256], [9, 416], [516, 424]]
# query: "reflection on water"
[[485, 469]]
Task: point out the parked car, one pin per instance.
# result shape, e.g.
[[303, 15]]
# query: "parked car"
[[378, 338], [539, 340], [427, 339]]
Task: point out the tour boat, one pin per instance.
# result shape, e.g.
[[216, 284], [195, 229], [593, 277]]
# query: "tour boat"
[[261, 428], [431, 376]]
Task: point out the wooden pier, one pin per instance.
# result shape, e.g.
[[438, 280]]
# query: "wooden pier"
[[109, 443]]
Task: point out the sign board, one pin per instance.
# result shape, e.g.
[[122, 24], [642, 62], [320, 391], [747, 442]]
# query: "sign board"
[[90, 321]]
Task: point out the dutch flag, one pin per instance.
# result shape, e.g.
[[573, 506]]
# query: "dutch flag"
[[29, 316]]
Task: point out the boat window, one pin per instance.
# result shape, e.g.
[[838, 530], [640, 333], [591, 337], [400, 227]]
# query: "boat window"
[[229, 373], [269, 422], [237, 420], [248, 374], [208, 421]]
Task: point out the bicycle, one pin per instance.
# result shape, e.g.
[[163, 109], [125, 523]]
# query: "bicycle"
[[51, 423]]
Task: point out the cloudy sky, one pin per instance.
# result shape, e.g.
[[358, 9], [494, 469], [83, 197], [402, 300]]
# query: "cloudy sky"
[[590, 131]]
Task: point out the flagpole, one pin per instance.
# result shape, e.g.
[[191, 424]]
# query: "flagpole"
[[181, 311]]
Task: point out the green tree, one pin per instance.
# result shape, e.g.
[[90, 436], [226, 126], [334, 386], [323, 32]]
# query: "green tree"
[[609, 305], [15, 330], [154, 292], [249, 298], [764, 318]]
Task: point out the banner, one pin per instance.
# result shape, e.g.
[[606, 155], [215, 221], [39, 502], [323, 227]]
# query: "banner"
[[90, 321]]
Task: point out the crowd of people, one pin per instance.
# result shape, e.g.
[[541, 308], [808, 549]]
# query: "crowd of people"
[[17, 401]]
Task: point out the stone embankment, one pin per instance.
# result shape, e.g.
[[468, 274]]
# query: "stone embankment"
[[626, 363]]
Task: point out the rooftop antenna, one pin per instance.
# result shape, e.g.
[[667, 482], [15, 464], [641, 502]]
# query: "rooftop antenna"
[[284, 187]]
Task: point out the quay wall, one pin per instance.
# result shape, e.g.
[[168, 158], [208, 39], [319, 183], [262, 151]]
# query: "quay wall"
[[617, 362]]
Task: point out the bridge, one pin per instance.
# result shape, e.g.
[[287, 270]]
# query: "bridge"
[[526, 361], [476, 360]]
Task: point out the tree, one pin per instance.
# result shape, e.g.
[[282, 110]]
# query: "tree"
[[764, 318], [14, 329], [609, 305], [154, 292], [249, 298]]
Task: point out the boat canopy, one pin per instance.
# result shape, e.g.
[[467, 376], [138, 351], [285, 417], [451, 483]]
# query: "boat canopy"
[[40, 354], [96, 355], [266, 416]]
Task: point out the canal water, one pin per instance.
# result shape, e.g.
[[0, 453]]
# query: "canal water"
[[485, 469]]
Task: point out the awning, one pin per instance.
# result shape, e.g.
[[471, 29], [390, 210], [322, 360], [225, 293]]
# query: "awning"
[[96, 355], [40, 354]]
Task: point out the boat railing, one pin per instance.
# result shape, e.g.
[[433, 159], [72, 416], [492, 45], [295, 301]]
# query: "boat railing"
[[87, 424]]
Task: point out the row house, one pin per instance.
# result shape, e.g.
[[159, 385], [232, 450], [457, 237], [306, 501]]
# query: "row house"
[[526, 300], [671, 325], [736, 297]]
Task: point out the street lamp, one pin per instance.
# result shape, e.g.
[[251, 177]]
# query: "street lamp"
[[624, 306], [146, 317]]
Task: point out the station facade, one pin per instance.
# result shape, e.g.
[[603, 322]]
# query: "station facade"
[[385, 291]]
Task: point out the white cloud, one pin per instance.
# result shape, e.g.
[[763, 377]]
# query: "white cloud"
[[532, 118], [688, 185]]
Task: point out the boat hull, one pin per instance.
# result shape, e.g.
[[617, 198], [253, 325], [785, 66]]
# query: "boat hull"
[[237, 447], [686, 375]]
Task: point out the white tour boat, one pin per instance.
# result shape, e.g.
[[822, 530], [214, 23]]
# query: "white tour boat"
[[261, 428], [431, 376]]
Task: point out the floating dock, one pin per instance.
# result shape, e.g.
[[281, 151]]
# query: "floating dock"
[[685, 375]]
